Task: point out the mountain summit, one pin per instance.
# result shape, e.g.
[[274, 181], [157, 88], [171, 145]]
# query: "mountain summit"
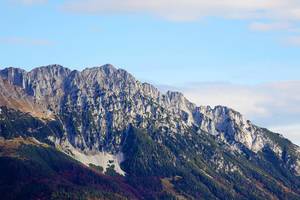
[[162, 145]]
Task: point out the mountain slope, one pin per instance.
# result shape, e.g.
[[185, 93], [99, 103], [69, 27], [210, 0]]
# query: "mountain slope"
[[106, 118], [32, 170]]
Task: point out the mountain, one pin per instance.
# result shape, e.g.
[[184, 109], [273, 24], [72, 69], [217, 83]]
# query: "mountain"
[[160, 146], [33, 170]]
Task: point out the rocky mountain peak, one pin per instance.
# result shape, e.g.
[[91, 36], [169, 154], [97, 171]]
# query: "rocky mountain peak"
[[50, 70], [105, 118], [151, 91], [14, 76], [106, 69], [97, 101]]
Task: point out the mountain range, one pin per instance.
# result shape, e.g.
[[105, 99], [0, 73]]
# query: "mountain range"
[[100, 133]]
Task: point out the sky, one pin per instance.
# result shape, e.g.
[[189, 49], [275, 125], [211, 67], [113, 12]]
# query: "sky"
[[242, 54]]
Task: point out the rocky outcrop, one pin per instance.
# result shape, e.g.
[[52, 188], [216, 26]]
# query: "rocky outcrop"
[[97, 105]]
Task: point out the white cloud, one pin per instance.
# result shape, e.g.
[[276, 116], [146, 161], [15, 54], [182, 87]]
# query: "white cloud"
[[281, 14], [271, 105], [193, 9], [260, 26], [291, 131], [240, 98], [30, 2], [292, 41], [25, 41]]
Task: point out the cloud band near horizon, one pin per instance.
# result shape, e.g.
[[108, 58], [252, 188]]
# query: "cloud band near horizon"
[[272, 105]]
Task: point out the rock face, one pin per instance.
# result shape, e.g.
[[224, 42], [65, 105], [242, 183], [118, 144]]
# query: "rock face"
[[104, 99], [97, 106], [97, 101]]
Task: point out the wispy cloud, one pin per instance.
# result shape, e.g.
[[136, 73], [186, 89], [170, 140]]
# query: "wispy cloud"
[[260, 26], [25, 41], [281, 15], [291, 131], [272, 105], [292, 41], [193, 9], [30, 2]]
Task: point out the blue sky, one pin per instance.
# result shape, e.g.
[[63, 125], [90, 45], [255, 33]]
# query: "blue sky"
[[249, 49], [208, 49]]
